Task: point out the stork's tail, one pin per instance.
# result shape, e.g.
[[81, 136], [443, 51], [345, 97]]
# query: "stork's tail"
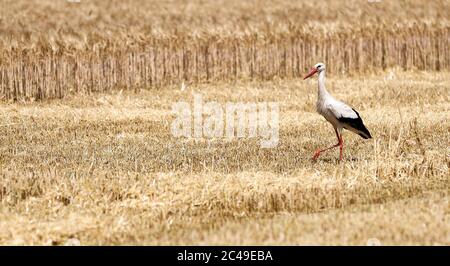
[[356, 125], [364, 132]]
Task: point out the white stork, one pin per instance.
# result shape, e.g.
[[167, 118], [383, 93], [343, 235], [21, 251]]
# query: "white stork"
[[336, 112]]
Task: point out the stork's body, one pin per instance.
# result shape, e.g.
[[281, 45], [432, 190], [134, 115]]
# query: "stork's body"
[[336, 112]]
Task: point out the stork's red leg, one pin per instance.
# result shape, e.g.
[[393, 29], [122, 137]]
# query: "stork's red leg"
[[341, 147], [340, 144], [319, 151]]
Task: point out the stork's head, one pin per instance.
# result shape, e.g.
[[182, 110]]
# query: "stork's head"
[[317, 68]]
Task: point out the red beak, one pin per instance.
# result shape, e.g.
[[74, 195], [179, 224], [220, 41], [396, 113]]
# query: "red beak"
[[311, 72]]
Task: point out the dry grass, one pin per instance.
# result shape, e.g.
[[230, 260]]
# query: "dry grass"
[[427, 224], [105, 45], [105, 169], [102, 167]]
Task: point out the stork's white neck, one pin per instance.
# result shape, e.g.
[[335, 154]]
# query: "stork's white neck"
[[322, 91]]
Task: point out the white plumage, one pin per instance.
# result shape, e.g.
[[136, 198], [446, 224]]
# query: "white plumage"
[[336, 112]]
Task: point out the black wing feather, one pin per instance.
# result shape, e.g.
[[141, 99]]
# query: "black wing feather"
[[356, 124]]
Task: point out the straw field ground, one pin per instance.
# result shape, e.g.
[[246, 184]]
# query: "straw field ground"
[[86, 150], [105, 169]]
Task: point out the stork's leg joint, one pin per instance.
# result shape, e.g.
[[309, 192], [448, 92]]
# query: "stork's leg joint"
[[319, 151], [340, 144]]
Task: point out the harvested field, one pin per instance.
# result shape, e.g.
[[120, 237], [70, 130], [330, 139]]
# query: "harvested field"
[[105, 169]]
